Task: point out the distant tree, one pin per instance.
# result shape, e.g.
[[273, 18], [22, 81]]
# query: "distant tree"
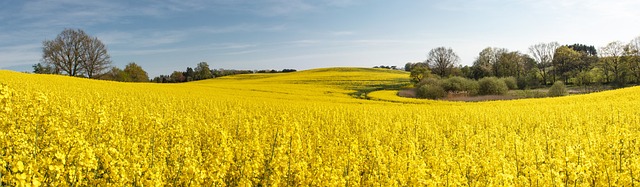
[[115, 74], [75, 53], [509, 64], [419, 72], [612, 62], [486, 64], [441, 60], [177, 76], [467, 72], [40, 68], [408, 66], [96, 59], [189, 74], [161, 79], [633, 51], [135, 73], [202, 71], [587, 49], [288, 70], [543, 54], [564, 60]]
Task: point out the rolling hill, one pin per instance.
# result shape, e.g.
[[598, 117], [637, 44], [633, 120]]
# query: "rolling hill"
[[320, 127]]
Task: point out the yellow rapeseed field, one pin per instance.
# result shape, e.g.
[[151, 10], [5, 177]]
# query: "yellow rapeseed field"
[[306, 128]]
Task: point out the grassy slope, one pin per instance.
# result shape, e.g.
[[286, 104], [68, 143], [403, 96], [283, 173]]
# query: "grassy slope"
[[324, 84]]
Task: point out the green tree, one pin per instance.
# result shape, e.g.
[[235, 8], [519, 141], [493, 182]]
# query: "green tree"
[[189, 74], [408, 66], [39, 68], [115, 74], [177, 76], [202, 71], [486, 64], [419, 71], [564, 61], [135, 73], [442, 60], [510, 64]]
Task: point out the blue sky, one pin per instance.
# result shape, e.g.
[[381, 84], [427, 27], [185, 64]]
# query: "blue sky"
[[167, 35]]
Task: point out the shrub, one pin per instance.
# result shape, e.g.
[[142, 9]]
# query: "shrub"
[[460, 84], [453, 84], [522, 83], [511, 82], [558, 89], [430, 81], [431, 92], [492, 86], [471, 86]]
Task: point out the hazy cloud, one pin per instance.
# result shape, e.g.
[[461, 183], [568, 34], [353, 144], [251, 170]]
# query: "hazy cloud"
[[20, 54]]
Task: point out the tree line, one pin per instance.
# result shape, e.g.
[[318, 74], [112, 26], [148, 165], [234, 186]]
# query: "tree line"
[[616, 64], [73, 52], [202, 71]]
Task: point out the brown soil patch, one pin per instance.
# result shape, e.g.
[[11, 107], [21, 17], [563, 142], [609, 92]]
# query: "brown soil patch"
[[410, 92]]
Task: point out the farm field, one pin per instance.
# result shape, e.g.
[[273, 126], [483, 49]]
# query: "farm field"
[[321, 127]]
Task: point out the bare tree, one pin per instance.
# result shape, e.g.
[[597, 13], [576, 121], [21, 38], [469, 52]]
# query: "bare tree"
[[441, 60], [96, 59], [543, 53], [633, 49], [612, 62], [76, 53]]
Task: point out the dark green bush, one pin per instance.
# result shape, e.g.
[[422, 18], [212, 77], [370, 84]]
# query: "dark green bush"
[[431, 91], [429, 81], [492, 86], [454, 84], [511, 82], [471, 87]]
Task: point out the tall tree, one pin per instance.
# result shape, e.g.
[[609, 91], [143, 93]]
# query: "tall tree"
[[441, 60], [177, 76], [486, 64], [564, 59], [96, 59], [135, 73], [510, 64], [115, 74], [189, 74], [76, 53], [633, 50], [612, 62], [543, 53], [202, 71]]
